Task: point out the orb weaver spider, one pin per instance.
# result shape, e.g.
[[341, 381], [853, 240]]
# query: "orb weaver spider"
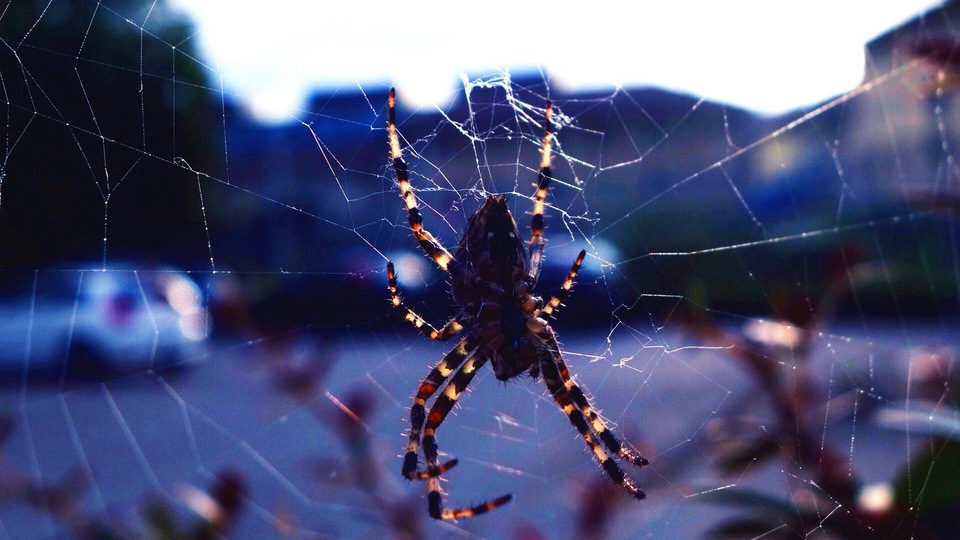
[[492, 279]]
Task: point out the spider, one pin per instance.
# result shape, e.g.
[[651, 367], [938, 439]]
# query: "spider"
[[492, 278]]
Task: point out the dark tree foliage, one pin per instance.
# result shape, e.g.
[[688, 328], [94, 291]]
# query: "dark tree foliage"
[[105, 115]]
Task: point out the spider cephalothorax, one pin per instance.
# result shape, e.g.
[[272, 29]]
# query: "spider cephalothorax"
[[492, 278]]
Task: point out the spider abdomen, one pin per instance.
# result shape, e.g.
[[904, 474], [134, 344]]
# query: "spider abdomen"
[[493, 254], [493, 261], [517, 353]]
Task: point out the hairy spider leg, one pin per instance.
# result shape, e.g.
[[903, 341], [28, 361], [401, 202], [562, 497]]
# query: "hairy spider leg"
[[441, 408], [550, 369], [451, 329], [418, 414], [599, 426], [580, 399], [535, 253], [430, 245], [558, 298]]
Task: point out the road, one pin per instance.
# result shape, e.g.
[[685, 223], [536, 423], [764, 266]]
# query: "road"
[[276, 410]]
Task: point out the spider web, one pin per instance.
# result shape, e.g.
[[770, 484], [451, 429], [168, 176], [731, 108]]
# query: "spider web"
[[767, 310]]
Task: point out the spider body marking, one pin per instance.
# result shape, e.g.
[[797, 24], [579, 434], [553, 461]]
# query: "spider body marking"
[[492, 254], [492, 279]]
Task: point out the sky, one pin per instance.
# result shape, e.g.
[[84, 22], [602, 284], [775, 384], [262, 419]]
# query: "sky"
[[769, 57]]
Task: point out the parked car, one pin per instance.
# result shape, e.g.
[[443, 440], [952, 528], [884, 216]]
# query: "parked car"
[[78, 322]]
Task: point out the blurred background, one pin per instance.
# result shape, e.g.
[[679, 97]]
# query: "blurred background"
[[196, 209]]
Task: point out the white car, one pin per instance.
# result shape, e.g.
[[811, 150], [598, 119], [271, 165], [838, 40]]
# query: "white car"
[[99, 322]]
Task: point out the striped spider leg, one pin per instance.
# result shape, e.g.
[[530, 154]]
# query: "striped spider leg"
[[492, 277]]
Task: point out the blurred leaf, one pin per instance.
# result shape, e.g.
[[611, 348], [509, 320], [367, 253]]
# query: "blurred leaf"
[[739, 443], [946, 203], [788, 516], [748, 498], [752, 528], [750, 456], [160, 520], [933, 420], [930, 482]]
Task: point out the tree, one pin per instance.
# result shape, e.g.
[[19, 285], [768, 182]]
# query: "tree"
[[106, 114]]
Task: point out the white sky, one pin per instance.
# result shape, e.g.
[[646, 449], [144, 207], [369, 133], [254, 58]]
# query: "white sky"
[[767, 56]]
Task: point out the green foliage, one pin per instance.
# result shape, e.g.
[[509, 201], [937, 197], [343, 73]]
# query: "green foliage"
[[929, 484]]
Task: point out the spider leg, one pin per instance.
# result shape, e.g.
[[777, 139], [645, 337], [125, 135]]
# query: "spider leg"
[[558, 298], [418, 413], [451, 329], [563, 394], [535, 253], [609, 439], [599, 426], [580, 399], [441, 408], [430, 245]]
